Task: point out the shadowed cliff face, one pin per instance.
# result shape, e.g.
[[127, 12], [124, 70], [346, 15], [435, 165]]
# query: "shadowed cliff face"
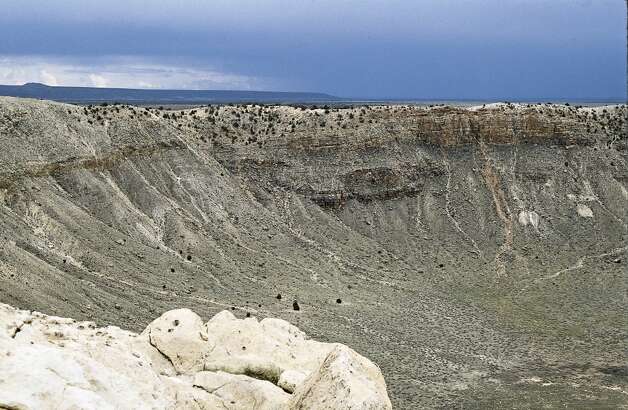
[[478, 254]]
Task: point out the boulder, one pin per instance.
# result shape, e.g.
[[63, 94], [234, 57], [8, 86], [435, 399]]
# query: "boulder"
[[529, 218], [584, 211], [265, 349], [345, 380], [180, 335]]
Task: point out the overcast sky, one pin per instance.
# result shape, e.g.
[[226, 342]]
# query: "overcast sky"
[[503, 49]]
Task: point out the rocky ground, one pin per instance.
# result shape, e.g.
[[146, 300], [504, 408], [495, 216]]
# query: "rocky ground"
[[477, 255]]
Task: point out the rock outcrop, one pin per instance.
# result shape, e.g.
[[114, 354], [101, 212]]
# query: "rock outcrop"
[[48, 362]]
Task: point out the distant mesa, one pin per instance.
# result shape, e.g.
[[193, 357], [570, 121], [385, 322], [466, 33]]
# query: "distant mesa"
[[139, 96], [35, 86]]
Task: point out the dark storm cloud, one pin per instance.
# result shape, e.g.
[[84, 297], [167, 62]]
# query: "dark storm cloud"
[[504, 49]]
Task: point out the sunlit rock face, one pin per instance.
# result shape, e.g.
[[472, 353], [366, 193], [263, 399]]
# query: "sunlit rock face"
[[48, 362], [468, 251]]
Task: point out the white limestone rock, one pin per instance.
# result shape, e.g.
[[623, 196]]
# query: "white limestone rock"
[[267, 348], [180, 336], [290, 379], [584, 211], [178, 362], [239, 392], [345, 380], [56, 363], [529, 218]]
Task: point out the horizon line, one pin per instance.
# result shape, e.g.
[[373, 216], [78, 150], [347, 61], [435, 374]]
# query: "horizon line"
[[615, 99]]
